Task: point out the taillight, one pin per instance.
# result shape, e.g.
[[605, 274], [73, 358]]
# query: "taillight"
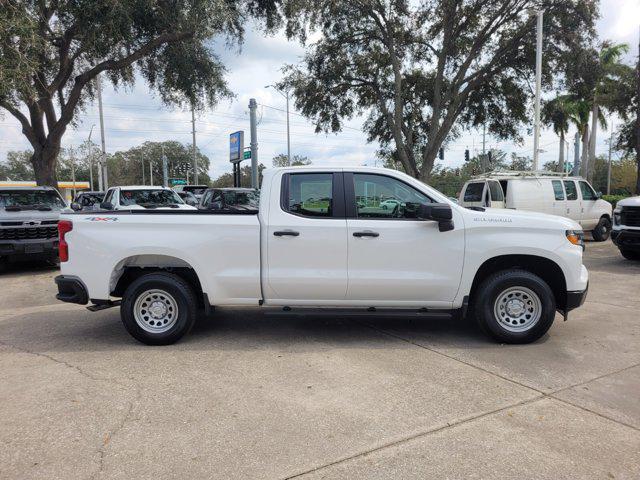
[[64, 226]]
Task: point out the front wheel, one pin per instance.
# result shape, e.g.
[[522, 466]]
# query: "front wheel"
[[158, 308], [602, 230], [630, 254], [514, 306]]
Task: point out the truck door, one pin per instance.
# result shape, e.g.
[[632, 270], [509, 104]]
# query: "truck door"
[[559, 205], [307, 240], [589, 217], [394, 258], [573, 202]]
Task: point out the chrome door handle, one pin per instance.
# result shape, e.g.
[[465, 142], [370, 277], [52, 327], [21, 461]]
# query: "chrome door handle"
[[366, 234]]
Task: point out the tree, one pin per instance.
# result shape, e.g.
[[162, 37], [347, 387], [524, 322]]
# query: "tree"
[[556, 113], [422, 71], [52, 52], [17, 166], [126, 168], [226, 179], [281, 160]]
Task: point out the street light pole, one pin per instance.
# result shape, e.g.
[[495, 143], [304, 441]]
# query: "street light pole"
[[195, 158], [286, 96], [536, 138], [90, 157], [609, 163]]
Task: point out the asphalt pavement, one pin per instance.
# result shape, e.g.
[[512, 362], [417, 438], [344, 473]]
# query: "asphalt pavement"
[[249, 395]]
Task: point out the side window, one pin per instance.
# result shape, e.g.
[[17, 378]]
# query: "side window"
[[557, 189], [379, 196], [496, 192], [310, 194], [587, 191], [206, 200], [108, 198], [473, 193], [570, 187]]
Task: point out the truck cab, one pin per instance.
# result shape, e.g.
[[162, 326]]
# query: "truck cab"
[[626, 228]]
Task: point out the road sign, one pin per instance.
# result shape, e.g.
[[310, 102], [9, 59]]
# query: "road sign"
[[177, 181], [246, 155], [236, 146]]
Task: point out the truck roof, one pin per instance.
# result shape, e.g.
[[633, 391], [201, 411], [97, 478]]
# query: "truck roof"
[[141, 187], [525, 175]]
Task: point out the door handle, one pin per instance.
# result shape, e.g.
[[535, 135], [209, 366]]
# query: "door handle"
[[287, 233], [366, 234]]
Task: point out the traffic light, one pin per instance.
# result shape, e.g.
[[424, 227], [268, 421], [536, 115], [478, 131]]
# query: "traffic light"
[[466, 155], [441, 154]]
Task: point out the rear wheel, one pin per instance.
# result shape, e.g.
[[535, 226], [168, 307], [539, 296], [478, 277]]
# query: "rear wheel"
[[630, 254], [514, 306], [602, 230], [158, 308]]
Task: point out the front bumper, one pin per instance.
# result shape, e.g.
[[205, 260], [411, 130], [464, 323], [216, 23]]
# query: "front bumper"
[[71, 290], [29, 248], [575, 299], [627, 239]]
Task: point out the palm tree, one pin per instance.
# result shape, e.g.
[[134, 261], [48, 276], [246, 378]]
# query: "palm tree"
[[606, 79], [556, 113], [579, 111]]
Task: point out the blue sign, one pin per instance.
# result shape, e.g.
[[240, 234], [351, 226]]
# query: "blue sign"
[[236, 146]]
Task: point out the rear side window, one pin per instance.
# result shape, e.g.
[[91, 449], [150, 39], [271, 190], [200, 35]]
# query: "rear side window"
[[557, 189], [310, 194], [496, 192], [587, 191], [473, 193], [570, 187]]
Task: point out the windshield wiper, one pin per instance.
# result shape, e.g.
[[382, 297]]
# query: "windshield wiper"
[[148, 205], [42, 207], [13, 208]]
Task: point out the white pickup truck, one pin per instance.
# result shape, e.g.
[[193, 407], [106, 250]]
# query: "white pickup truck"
[[347, 238]]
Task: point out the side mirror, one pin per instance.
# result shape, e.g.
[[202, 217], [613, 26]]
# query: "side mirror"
[[76, 207], [106, 206], [598, 195], [438, 212]]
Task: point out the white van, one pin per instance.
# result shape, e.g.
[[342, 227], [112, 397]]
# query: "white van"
[[545, 192]]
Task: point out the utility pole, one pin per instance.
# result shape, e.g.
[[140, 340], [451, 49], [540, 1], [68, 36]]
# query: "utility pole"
[[286, 96], [609, 162], [90, 157], [484, 156], [576, 155], [73, 170], [102, 172], [195, 158], [253, 107], [165, 174], [536, 138], [143, 181], [151, 172]]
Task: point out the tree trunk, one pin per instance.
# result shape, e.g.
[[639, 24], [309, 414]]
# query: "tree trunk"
[[429, 159], [592, 142], [638, 122], [584, 159], [561, 156], [44, 165]]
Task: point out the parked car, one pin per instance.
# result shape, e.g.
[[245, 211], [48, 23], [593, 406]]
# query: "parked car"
[[626, 227], [28, 223], [87, 201], [197, 190], [230, 199], [512, 269], [189, 198], [556, 194], [143, 197]]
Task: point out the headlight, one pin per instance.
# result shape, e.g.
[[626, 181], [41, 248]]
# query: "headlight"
[[616, 216], [576, 237]]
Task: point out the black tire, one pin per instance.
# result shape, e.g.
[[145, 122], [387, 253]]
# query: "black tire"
[[180, 293], [630, 254], [602, 232], [495, 286]]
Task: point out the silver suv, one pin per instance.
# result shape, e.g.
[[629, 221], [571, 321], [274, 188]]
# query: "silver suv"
[[29, 223]]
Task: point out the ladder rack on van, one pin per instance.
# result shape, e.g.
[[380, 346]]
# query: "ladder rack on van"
[[522, 173]]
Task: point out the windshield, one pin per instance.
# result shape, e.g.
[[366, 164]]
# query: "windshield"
[[30, 199], [195, 189], [89, 199], [149, 197]]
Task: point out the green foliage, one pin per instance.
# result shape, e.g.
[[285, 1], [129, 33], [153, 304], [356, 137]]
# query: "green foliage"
[[281, 160], [614, 199], [51, 53], [423, 71], [226, 179]]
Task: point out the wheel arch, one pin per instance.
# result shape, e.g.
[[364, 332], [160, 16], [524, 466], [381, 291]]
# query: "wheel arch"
[[133, 267], [543, 267]]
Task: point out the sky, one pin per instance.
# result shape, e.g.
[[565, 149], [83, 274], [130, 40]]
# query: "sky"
[[135, 115]]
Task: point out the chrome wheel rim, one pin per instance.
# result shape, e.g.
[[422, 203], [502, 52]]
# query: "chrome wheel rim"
[[517, 309], [155, 311]]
